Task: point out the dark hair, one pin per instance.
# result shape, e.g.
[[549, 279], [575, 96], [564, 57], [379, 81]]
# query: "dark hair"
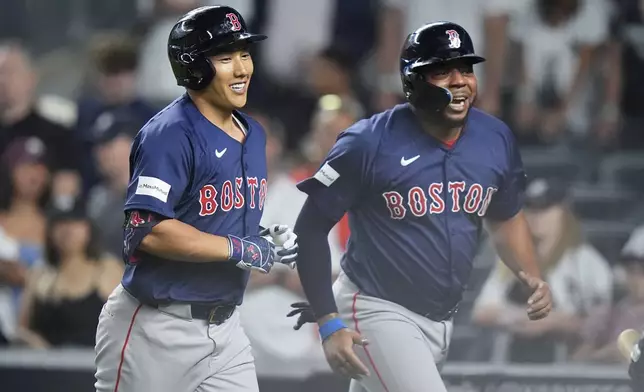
[[546, 9], [341, 57], [115, 53], [92, 250], [7, 189]]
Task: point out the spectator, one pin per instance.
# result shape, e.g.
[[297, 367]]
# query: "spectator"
[[106, 199], [19, 118], [63, 299], [22, 223], [114, 95], [579, 277], [155, 80], [621, 119], [557, 39], [333, 39], [601, 329]]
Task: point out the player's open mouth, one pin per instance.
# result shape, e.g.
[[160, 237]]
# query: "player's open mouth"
[[239, 88], [458, 104]]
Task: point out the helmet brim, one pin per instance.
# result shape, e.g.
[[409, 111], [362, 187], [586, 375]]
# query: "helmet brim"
[[469, 58]]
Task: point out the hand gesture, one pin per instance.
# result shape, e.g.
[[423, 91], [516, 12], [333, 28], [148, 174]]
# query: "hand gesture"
[[252, 253], [305, 312], [540, 302], [338, 350], [285, 241]]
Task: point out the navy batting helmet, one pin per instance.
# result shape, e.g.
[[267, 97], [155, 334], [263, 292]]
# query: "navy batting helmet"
[[204, 32], [434, 43]]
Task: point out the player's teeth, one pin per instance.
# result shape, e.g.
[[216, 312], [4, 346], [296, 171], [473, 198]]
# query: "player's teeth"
[[238, 86]]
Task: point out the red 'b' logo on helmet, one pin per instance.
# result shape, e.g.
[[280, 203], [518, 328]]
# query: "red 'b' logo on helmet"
[[454, 39], [234, 21]]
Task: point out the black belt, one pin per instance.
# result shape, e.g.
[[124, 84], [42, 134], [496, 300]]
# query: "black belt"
[[441, 316], [213, 314]]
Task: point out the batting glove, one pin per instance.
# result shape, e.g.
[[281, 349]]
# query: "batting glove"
[[305, 312], [285, 241], [252, 253]]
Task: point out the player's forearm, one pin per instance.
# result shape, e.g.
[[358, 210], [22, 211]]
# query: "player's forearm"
[[314, 260], [175, 240], [514, 245]]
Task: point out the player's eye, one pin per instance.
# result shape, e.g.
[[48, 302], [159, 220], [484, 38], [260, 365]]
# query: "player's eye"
[[226, 59], [466, 70], [245, 56]]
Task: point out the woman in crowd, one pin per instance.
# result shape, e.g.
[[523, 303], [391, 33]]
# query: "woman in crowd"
[[579, 277], [64, 298], [23, 196]]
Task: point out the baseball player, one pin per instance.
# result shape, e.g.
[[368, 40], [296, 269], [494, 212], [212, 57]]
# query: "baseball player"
[[194, 202], [418, 181]]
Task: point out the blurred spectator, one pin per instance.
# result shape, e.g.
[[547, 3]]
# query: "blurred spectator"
[[579, 277], [311, 46], [558, 40], [106, 199], [298, 30], [113, 96], [398, 18], [621, 118], [601, 329], [155, 80], [20, 118], [63, 299], [22, 222]]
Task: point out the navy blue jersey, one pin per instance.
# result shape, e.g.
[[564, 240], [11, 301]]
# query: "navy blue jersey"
[[416, 206], [184, 167]]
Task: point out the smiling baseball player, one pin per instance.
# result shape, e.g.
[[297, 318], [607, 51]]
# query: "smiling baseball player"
[[418, 182], [191, 236]]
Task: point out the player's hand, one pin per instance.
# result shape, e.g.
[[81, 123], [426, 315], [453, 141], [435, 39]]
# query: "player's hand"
[[305, 312], [338, 349], [252, 253], [540, 302], [285, 241]]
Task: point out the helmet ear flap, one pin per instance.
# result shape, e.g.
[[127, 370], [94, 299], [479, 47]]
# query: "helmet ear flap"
[[203, 73], [422, 94]]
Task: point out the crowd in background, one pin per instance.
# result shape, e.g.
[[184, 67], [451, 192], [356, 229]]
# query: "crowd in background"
[[79, 79]]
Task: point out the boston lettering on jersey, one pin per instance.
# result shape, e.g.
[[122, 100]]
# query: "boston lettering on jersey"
[[416, 206], [185, 168], [210, 199], [416, 200]]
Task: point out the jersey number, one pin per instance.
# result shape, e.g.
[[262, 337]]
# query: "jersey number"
[[234, 21]]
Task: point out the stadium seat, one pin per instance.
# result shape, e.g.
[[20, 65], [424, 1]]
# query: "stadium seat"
[[555, 163], [608, 237], [599, 203], [623, 170]]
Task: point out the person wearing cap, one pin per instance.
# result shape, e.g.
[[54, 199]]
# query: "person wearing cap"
[[64, 297], [579, 276], [600, 331], [111, 153], [22, 222]]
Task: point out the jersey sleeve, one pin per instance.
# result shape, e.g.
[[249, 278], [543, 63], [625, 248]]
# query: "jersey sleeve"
[[508, 200], [340, 180], [161, 164]]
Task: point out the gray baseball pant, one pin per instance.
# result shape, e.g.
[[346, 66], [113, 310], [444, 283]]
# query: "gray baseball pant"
[[145, 349], [406, 350]]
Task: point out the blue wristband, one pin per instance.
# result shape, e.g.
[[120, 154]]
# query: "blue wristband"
[[330, 327]]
